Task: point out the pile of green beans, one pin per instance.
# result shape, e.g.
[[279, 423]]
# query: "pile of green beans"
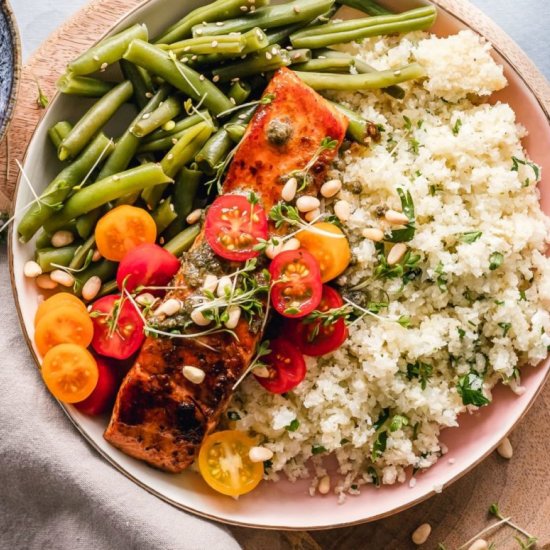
[[186, 98]]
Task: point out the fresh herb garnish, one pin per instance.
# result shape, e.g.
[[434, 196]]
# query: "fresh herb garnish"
[[422, 371], [318, 449], [442, 278], [42, 101], [495, 260], [505, 328], [470, 237], [371, 470], [470, 388], [516, 163], [293, 426], [407, 233], [379, 446], [457, 126], [384, 415], [398, 422]]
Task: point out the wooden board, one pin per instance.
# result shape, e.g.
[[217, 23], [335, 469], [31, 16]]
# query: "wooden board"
[[521, 485]]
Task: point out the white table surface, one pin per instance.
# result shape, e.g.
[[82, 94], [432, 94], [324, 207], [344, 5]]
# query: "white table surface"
[[527, 21]]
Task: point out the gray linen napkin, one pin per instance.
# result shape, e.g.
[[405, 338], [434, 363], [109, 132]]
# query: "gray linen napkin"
[[56, 492]]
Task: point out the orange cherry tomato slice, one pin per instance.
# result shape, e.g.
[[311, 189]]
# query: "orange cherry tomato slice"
[[70, 372], [123, 229], [63, 325], [225, 465], [57, 300], [332, 253]]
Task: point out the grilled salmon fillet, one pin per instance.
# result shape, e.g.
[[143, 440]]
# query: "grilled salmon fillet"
[[159, 416]]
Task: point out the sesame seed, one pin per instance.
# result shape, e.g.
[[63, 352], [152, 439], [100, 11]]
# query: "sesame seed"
[[146, 116], [397, 73], [242, 117], [215, 78], [244, 8], [204, 23], [169, 156], [148, 95], [96, 58], [274, 50], [268, 55], [232, 99], [219, 24], [252, 9], [198, 31], [321, 57], [297, 9], [187, 48], [184, 59], [174, 141], [201, 77], [103, 66], [214, 43], [116, 178], [194, 57]]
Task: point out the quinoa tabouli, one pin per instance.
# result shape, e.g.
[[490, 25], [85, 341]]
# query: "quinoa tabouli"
[[316, 239]]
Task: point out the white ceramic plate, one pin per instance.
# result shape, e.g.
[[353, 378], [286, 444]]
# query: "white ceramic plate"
[[284, 505]]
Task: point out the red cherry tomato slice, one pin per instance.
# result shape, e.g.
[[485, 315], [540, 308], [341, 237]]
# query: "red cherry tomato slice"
[[103, 397], [233, 226], [146, 265], [118, 328], [316, 338], [296, 280], [286, 367]]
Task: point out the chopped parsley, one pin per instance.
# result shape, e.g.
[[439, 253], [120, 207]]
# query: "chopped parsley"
[[470, 237], [379, 445], [517, 162], [407, 233], [384, 415], [420, 370], [469, 387], [317, 449], [398, 422], [293, 426], [495, 260], [505, 328], [457, 126], [441, 277], [371, 470]]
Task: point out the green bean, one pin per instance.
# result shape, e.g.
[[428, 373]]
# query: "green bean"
[[367, 6], [268, 17], [103, 269], [85, 86], [93, 120], [357, 29], [235, 131], [224, 44], [337, 65], [141, 81], [214, 11], [60, 188], [263, 61], [217, 148], [164, 215], [83, 253], [58, 132], [127, 146], [183, 78], [110, 287], [302, 55], [183, 241], [185, 189], [107, 51], [255, 39], [107, 190], [47, 257], [359, 129], [43, 240], [361, 67], [324, 17], [182, 124], [352, 82], [151, 121], [239, 92], [183, 152], [86, 223]]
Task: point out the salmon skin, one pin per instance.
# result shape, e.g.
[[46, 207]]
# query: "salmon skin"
[[159, 416]]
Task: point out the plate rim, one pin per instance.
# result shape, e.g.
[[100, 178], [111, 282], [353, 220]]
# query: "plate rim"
[[545, 107]]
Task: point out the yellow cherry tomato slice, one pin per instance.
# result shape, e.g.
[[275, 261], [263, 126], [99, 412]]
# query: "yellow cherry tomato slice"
[[63, 325], [225, 465], [57, 300], [123, 229], [332, 253], [70, 372]]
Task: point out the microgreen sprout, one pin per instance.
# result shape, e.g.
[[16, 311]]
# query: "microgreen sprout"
[[407, 233], [261, 351], [327, 144], [42, 101], [266, 100]]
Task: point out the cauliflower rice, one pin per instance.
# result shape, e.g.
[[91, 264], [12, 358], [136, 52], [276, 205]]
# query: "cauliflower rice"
[[473, 307]]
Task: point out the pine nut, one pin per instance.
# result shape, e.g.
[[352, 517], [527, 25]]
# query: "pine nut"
[[505, 449], [324, 485], [91, 288], [44, 282], [479, 544], [421, 534], [396, 253], [260, 454], [374, 234], [312, 215], [273, 250], [194, 216], [331, 188], [193, 374], [396, 218], [199, 319], [342, 209], [289, 190], [261, 372], [146, 299], [169, 308], [61, 277], [32, 270], [234, 313], [292, 244], [96, 256], [307, 203], [62, 238], [224, 285], [210, 283]]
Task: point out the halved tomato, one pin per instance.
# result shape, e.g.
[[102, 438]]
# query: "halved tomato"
[[225, 465], [146, 265], [296, 281], [319, 337], [233, 226], [286, 367], [118, 327], [103, 397], [57, 300]]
